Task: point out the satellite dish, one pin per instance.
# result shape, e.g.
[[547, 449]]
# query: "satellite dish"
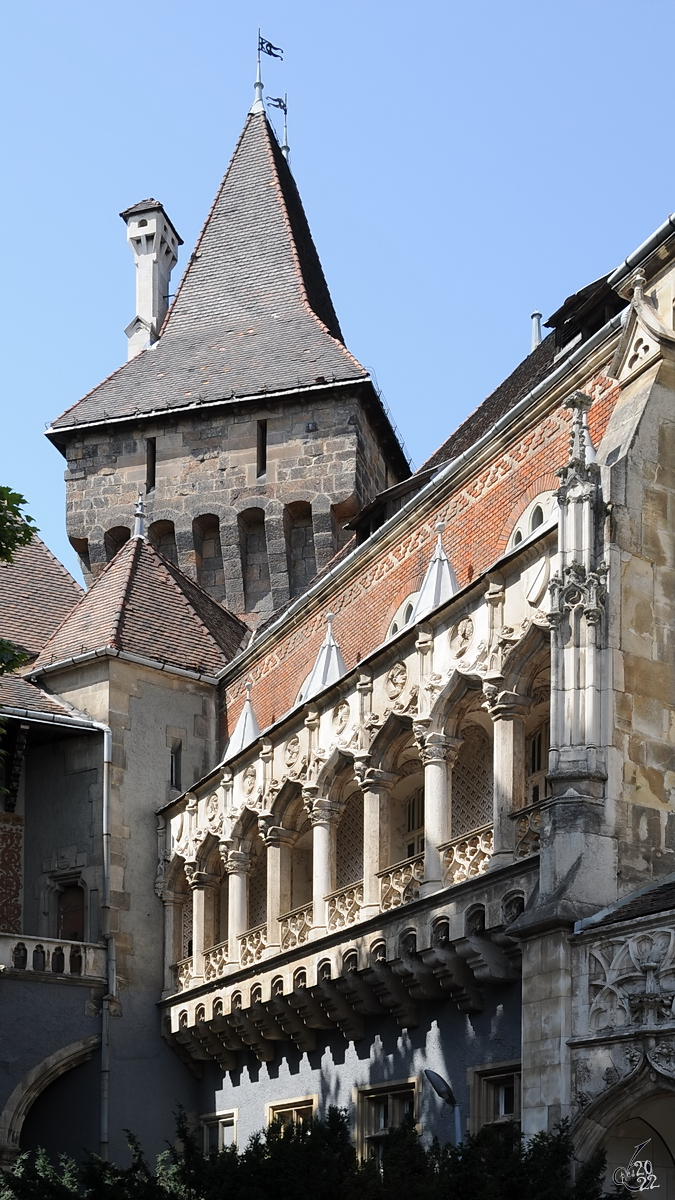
[[441, 1087]]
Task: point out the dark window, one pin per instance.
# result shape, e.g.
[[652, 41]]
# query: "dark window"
[[150, 463], [261, 467], [537, 517], [71, 914], [176, 765]]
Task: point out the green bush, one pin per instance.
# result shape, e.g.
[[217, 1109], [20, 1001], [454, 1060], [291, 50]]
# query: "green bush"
[[318, 1160]]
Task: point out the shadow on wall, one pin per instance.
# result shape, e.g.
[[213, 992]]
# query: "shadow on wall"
[[65, 1117]]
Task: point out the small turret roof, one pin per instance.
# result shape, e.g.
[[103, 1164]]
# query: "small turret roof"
[[142, 604], [252, 314], [36, 593]]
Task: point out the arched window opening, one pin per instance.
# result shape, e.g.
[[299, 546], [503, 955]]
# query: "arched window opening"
[[254, 561], [256, 994], [349, 848], [406, 806], [81, 548], [58, 961], [39, 958], [472, 782], [70, 913], [186, 931], [536, 764], [20, 957], [301, 868], [209, 555], [162, 535], [257, 887], [402, 615], [114, 540], [537, 517], [300, 551]]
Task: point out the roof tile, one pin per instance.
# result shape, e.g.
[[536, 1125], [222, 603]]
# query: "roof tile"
[[36, 593]]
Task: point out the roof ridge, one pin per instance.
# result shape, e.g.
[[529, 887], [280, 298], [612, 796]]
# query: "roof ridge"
[[59, 564], [165, 562], [85, 595], [190, 261], [118, 616], [296, 257]]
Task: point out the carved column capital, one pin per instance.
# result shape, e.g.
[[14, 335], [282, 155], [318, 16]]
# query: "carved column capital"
[[375, 780], [238, 862], [324, 812], [505, 706], [276, 835], [439, 748], [202, 880]]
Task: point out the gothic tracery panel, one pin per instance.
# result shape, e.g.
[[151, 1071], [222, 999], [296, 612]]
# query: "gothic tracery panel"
[[472, 782]]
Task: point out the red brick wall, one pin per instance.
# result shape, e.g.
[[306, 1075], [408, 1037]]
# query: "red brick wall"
[[479, 518]]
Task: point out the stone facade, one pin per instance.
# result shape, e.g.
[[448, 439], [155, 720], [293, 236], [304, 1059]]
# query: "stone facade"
[[213, 509]]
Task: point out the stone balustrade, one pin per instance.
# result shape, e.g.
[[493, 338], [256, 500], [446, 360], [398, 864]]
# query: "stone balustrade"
[[416, 952], [252, 945], [467, 857], [51, 956], [527, 830], [183, 972], [296, 927], [400, 883], [344, 906], [215, 961]]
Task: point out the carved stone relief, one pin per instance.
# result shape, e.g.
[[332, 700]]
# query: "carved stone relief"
[[397, 678], [460, 637], [632, 981], [292, 751], [341, 715], [249, 780]]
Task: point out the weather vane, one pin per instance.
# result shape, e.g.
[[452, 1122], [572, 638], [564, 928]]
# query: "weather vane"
[[282, 103], [264, 47]]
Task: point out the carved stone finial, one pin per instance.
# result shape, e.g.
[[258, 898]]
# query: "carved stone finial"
[[638, 283]]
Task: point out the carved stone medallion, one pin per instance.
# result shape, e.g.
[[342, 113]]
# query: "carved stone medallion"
[[212, 813], [249, 780], [292, 751], [460, 637], [396, 680], [341, 715]]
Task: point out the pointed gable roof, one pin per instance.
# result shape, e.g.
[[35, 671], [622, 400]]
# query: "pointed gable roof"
[[36, 593], [144, 605], [252, 314]]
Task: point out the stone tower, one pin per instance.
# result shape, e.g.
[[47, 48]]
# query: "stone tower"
[[250, 428]]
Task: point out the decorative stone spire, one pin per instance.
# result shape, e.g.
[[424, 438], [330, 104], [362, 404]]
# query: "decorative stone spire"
[[582, 451], [329, 666], [139, 518], [247, 729], [440, 581]]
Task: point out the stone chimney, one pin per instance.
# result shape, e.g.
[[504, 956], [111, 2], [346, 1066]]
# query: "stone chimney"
[[154, 242]]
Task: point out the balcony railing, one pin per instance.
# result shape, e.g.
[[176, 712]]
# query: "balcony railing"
[[51, 956], [344, 906], [400, 883], [527, 830], [468, 856], [183, 971], [215, 961], [295, 927], [252, 945]]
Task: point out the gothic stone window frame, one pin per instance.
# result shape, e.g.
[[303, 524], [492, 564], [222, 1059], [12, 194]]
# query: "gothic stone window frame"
[[486, 1082], [395, 1092], [297, 1108], [219, 1129]]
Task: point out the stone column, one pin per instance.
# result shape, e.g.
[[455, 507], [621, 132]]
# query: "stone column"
[[173, 937], [438, 754], [376, 786], [203, 888], [508, 710], [279, 843], [324, 816], [238, 867]]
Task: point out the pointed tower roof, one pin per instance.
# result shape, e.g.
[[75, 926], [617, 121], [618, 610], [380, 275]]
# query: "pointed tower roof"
[[247, 729], [439, 584], [144, 605], [252, 314], [329, 666]]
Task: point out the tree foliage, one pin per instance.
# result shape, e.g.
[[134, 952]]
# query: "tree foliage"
[[16, 529], [294, 1162]]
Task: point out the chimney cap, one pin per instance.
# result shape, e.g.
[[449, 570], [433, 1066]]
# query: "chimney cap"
[[148, 206]]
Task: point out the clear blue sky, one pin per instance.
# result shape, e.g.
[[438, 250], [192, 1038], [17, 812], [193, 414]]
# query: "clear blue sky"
[[460, 164]]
